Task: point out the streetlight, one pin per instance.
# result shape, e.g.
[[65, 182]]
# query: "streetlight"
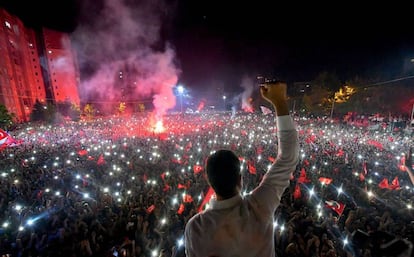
[[224, 100], [180, 90]]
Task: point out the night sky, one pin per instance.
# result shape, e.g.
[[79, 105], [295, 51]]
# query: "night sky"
[[217, 42]]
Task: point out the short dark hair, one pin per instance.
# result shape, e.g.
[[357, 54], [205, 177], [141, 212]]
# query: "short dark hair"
[[223, 172]]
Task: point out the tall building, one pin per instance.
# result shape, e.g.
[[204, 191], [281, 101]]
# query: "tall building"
[[34, 65], [63, 79], [21, 80]]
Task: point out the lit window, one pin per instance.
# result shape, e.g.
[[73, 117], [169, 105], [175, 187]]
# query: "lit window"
[[7, 24]]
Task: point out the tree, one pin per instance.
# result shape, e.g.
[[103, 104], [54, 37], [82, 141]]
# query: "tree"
[[6, 118], [121, 107], [328, 81], [38, 112], [324, 86], [44, 113], [315, 100], [74, 112], [89, 111]]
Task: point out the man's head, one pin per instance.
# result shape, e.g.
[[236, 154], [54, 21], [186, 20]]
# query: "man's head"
[[223, 173]]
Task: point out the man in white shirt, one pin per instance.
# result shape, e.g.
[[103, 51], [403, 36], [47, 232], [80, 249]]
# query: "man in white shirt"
[[236, 225]]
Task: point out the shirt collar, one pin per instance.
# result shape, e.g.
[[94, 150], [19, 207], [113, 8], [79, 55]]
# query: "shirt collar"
[[223, 204]]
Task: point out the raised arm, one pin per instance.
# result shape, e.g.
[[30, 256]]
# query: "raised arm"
[[276, 180]]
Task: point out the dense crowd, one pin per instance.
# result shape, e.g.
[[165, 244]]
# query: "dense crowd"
[[122, 187]]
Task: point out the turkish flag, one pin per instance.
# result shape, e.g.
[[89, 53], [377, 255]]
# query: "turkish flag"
[[206, 199], [303, 178], [181, 186], [335, 206], [384, 183], [297, 193], [395, 184], [163, 176], [251, 167], [82, 152], [166, 188], [3, 136], [150, 209], [197, 169], [188, 198], [181, 209], [325, 181], [101, 160]]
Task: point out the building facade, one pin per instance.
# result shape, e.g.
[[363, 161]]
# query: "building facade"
[[34, 66], [62, 74]]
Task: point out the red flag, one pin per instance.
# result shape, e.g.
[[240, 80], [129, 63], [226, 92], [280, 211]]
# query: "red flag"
[[251, 167], [395, 184], [162, 176], [187, 198], [384, 183], [340, 153], [166, 188], [325, 181], [303, 178], [361, 176], [197, 169], [150, 209], [206, 199], [3, 137], [297, 193], [101, 160], [181, 209], [82, 152], [335, 206], [181, 186]]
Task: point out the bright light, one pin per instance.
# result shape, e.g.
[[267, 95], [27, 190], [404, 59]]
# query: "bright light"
[[154, 253], [180, 89], [180, 242], [311, 192], [159, 127]]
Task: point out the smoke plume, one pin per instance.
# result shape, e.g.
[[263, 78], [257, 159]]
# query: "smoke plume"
[[121, 55]]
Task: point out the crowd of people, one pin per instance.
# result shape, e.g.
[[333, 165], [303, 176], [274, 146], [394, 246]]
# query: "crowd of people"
[[122, 187]]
